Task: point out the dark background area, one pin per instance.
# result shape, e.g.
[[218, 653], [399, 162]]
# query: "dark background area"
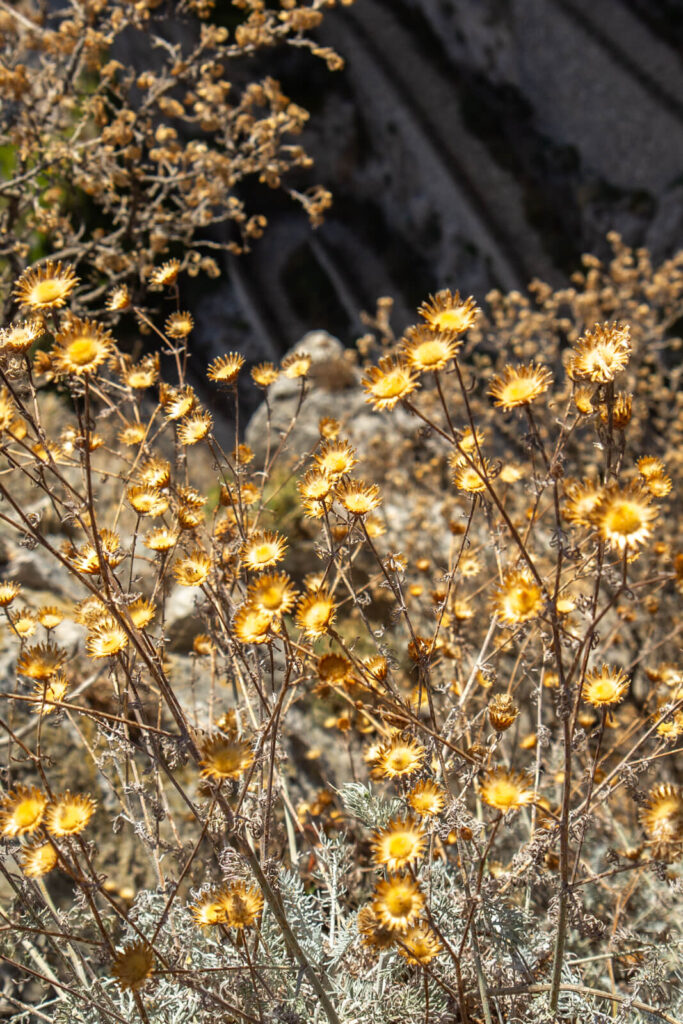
[[468, 144]]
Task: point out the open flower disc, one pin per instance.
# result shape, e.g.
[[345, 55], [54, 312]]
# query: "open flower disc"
[[505, 790], [22, 811], [45, 287], [519, 385]]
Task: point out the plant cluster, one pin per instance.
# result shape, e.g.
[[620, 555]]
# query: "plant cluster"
[[142, 119], [424, 767]]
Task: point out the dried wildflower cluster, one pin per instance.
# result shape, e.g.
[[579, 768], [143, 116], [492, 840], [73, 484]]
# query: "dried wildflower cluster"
[[142, 111], [416, 759]]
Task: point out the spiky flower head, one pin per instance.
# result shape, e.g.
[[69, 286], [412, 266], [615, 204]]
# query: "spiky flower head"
[[225, 757], [38, 860], [195, 427], [419, 945], [264, 374], [662, 818], [263, 549], [519, 385], [605, 686], [192, 570], [519, 597], [252, 625], [48, 694], [335, 458], [601, 353], [373, 934], [225, 369], [41, 662], [448, 313], [398, 902], [21, 811], [273, 593], [427, 798], [425, 349], [581, 499], [8, 591], [358, 497], [623, 516], [315, 612], [505, 790], [81, 347], [179, 325], [295, 365], [133, 965], [45, 287], [106, 639], [165, 275], [398, 844], [389, 382], [69, 813], [399, 757]]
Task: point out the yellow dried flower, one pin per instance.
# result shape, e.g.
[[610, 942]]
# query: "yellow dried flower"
[[69, 813], [45, 287]]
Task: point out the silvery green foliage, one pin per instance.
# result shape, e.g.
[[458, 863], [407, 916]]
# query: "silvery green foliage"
[[369, 808]]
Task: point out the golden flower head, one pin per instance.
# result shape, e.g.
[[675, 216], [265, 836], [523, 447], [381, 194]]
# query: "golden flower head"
[[621, 411], [41, 662], [48, 694], [334, 669], [605, 686], [141, 612], [192, 570], [519, 385], [329, 428], [419, 945], [50, 616], [425, 350], [225, 757], [69, 813], [161, 539], [273, 593], [263, 549], [242, 904], [195, 427], [398, 902], [176, 402], [581, 499], [519, 598], [165, 275], [133, 965], [132, 433], [373, 934], [118, 299], [503, 711], [225, 369], [315, 612], [179, 325], [471, 476], [297, 364], [398, 844], [38, 860], [427, 798], [24, 622], [315, 485], [623, 517], [399, 757], [19, 338], [264, 374], [335, 458], [106, 639], [389, 382], [143, 374], [601, 353], [21, 811], [208, 911], [448, 313], [81, 347], [505, 790], [155, 472], [662, 815], [252, 624], [8, 591], [45, 287], [358, 497]]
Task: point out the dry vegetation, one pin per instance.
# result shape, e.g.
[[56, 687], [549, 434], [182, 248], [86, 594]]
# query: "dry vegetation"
[[420, 764], [494, 643]]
